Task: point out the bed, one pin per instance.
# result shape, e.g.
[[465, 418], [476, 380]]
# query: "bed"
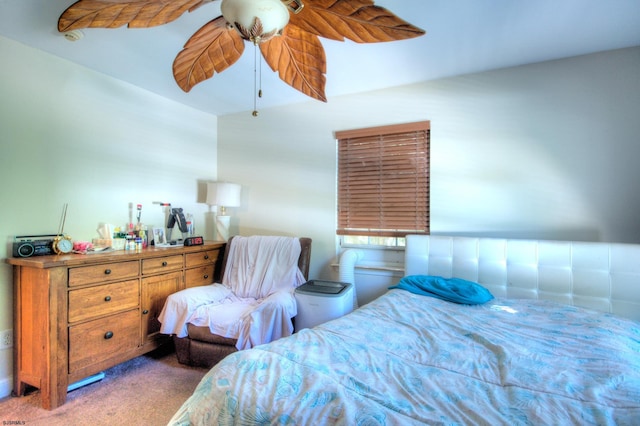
[[559, 343]]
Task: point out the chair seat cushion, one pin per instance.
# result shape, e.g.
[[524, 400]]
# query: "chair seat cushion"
[[179, 306], [224, 319]]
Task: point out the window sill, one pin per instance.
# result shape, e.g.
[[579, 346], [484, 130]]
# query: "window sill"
[[376, 266]]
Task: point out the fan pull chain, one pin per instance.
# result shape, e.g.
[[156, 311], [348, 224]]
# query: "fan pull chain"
[[260, 69], [257, 79]]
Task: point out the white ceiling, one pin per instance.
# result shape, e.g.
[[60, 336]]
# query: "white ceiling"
[[463, 36]]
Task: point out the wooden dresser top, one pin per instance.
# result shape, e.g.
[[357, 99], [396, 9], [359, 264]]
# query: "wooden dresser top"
[[74, 259]]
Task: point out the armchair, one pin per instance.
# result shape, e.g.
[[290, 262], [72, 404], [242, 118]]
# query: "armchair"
[[254, 304]]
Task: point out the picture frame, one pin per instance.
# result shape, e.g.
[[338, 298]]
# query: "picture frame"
[[159, 236]]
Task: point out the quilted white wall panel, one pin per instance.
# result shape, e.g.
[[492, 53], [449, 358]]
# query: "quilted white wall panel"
[[600, 276], [554, 269]]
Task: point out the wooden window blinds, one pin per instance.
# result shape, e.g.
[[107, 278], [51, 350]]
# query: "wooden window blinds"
[[383, 180]]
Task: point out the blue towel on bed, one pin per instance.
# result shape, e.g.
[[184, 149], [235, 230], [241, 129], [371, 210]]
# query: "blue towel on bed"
[[454, 290]]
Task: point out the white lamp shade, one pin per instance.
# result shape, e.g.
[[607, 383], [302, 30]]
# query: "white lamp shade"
[[223, 194], [273, 14]]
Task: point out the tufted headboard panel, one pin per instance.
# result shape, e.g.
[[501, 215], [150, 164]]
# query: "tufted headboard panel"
[[600, 276]]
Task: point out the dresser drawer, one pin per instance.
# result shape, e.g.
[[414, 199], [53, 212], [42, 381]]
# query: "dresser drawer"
[[93, 302], [162, 264], [202, 258], [100, 273], [96, 341], [202, 275]]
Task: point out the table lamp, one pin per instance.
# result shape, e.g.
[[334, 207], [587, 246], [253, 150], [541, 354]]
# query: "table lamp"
[[223, 195]]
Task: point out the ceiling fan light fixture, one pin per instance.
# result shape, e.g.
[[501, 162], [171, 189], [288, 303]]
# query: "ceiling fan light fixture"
[[256, 20]]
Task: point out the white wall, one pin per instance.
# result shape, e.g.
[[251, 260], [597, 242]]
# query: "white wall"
[[70, 135], [548, 150]]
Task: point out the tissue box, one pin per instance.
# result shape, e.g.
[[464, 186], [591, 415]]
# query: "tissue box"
[[115, 243], [102, 242]]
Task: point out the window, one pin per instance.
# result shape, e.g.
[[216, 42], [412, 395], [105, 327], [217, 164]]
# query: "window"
[[383, 183]]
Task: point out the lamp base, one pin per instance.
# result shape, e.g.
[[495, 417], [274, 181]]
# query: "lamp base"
[[222, 227], [209, 226]]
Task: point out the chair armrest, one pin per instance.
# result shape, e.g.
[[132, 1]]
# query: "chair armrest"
[[280, 298], [270, 320]]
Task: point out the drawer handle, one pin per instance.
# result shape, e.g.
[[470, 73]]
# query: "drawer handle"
[[206, 276], [107, 271], [206, 257], [145, 312], [164, 263], [107, 299], [108, 335]]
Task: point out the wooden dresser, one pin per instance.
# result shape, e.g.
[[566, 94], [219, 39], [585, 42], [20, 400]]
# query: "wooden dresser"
[[76, 315]]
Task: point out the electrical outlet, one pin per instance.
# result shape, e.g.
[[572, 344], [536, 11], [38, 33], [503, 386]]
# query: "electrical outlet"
[[6, 339]]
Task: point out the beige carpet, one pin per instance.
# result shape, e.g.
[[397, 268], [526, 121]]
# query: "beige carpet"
[[147, 390]]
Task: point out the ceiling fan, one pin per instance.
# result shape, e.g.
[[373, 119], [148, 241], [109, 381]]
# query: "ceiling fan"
[[286, 32]]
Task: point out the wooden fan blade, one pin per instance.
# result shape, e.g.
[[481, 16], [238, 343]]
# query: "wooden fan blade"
[[116, 13], [357, 20], [213, 48], [299, 59]]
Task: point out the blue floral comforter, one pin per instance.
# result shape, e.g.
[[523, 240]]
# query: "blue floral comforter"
[[410, 359]]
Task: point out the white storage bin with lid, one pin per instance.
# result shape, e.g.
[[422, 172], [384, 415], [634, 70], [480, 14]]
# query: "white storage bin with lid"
[[321, 301]]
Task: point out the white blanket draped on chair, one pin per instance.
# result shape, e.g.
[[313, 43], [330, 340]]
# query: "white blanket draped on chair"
[[255, 302]]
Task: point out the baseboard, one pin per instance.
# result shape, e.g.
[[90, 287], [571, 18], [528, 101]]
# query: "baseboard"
[[6, 385], [86, 381]]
